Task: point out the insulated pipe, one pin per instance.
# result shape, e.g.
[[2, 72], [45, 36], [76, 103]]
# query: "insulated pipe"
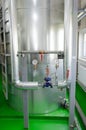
[[14, 40], [70, 22], [36, 85], [64, 84], [26, 85]]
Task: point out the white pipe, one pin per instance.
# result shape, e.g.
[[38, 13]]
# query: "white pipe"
[[35, 85], [26, 85], [14, 40], [62, 83]]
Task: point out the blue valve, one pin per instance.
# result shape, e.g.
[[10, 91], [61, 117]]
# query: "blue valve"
[[47, 82]]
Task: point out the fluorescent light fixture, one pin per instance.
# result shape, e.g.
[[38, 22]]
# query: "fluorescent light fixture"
[[80, 14]]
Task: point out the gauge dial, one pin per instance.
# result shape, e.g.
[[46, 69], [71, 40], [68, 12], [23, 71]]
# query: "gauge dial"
[[35, 62]]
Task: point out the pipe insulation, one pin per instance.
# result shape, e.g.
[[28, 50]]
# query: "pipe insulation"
[[26, 85], [35, 85]]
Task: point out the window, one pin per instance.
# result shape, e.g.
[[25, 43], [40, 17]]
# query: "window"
[[82, 44]]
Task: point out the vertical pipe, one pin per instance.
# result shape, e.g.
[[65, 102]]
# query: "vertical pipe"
[[25, 92], [68, 34], [14, 40], [25, 108], [71, 51]]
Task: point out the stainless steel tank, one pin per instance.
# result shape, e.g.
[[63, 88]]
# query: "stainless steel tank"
[[37, 25]]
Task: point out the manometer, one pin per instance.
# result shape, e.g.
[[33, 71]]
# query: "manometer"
[[35, 62]]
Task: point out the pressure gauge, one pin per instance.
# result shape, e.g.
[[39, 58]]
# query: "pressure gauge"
[[35, 62]]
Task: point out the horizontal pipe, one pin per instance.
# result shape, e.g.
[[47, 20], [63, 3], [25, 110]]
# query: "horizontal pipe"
[[83, 117], [63, 83], [36, 85], [39, 52], [26, 85]]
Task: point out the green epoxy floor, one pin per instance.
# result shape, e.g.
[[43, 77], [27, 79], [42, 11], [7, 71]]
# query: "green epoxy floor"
[[13, 120], [10, 119], [35, 124]]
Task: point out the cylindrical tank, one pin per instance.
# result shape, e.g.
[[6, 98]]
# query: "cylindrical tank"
[[37, 25]]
